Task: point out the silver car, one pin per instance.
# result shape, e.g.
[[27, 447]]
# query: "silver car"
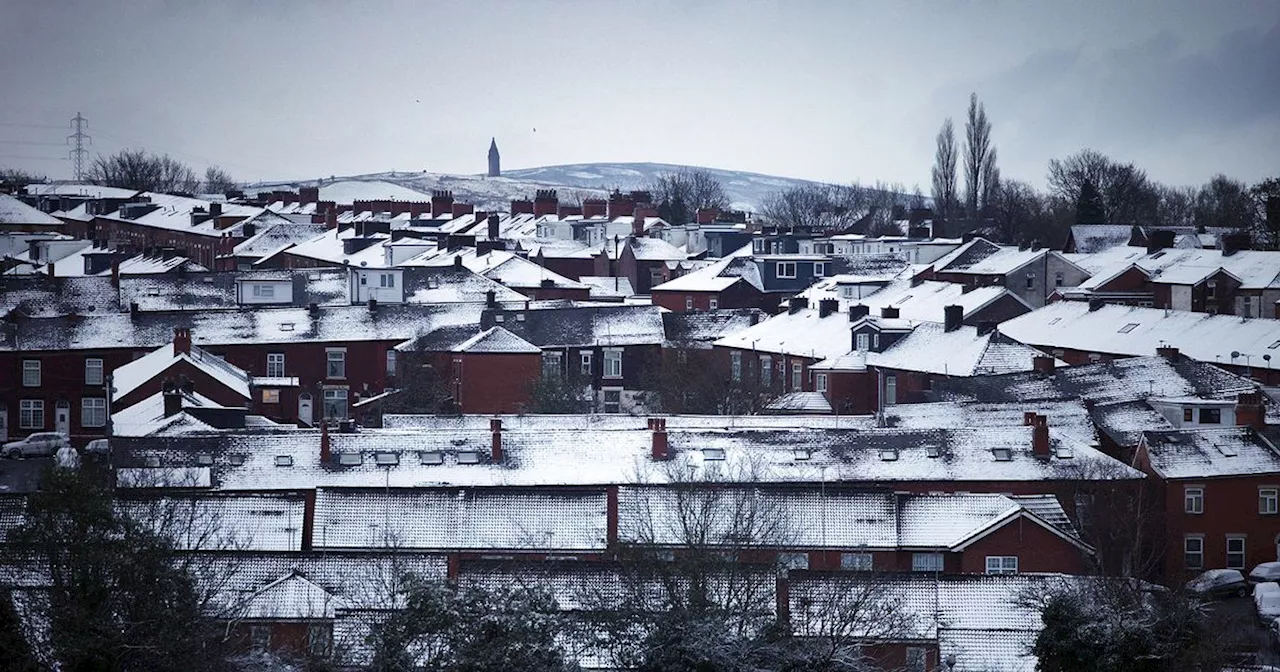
[[40, 444]]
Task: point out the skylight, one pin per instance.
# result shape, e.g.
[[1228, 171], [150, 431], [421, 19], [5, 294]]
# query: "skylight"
[[1273, 346], [713, 454], [284, 460], [1002, 454], [1128, 328], [468, 457], [350, 459], [286, 326], [889, 454], [431, 457], [387, 459]]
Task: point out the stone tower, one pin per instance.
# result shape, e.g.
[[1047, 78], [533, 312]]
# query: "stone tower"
[[495, 164]]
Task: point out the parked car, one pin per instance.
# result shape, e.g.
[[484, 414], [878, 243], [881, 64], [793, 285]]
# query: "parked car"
[[1267, 571], [98, 449], [1274, 630], [1266, 598], [1219, 583], [40, 444]]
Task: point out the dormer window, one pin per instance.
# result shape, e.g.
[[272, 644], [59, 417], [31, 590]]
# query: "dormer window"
[[786, 269], [864, 342]]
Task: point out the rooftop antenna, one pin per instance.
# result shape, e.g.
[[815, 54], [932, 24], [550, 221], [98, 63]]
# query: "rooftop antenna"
[[80, 138]]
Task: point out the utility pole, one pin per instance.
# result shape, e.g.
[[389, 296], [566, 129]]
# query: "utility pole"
[[80, 138]]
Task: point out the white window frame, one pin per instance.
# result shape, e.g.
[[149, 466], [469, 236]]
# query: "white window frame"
[[766, 370], [735, 365], [31, 373], [613, 362], [264, 291], [927, 562], [857, 562], [863, 342], [890, 390], [331, 361], [713, 303], [387, 280], [797, 377], [1188, 542], [93, 412], [688, 303], [604, 399], [820, 383], [785, 269], [334, 395], [552, 363], [275, 364], [270, 396], [27, 413], [819, 269], [93, 371], [1193, 500], [1002, 564], [391, 362], [1242, 542], [584, 362], [1268, 501]]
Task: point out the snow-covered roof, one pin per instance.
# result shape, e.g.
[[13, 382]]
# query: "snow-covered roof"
[[237, 522], [1255, 269], [700, 329], [799, 402], [133, 375], [458, 519], [605, 287], [496, 339], [655, 249], [982, 257], [915, 301], [145, 264], [583, 325], [13, 211], [714, 277], [79, 190], [1093, 238], [1070, 415], [504, 267], [174, 212], [147, 417], [1127, 330], [292, 597], [1210, 453], [929, 348], [276, 236]]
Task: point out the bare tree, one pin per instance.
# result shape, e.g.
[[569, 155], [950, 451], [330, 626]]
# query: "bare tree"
[[1226, 203], [1175, 206], [14, 179], [137, 169], [980, 172], [679, 195], [1127, 196], [218, 181], [1020, 213], [945, 190]]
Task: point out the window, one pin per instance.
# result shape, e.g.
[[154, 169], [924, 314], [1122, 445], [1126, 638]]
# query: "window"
[[386, 280], [926, 562], [31, 373], [786, 269], [1211, 416], [31, 414], [337, 363], [713, 303], [1127, 328], [1235, 552], [319, 640], [1193, 552], [612, 363], [551, 364], [1058, 279], [93, 372], [688, 303], [1188, 415], [391, 363], [1248, 306], [766, 370], [264, 292], [1031, 281], [1193, 500], [864, 342], [820, 382], [335, 404], [584, 363], [890, 390], [735, 365], [1002, 564], [857, 562], [1268, 499], [917, 659], [260, 637], [271, 396], [613, 401], [93, 412], [275, 364], [797, 377], [819, 269], [793, 560]]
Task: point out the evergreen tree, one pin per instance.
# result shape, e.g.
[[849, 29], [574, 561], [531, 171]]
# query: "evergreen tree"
[[1089, 206]]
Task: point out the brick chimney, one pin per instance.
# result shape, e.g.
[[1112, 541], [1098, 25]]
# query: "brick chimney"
[[952, 317], [1029, 418], [828, 307], [1168, 352], [115, 270], [594, 207], [1250, 412], [441, 202], [545, 202], [659, 428], [704, 216], [1042, 364], [611, 516], [619, 205], [1040, 438], [331, 218], [492, 223], [308, 519], [308, 195], [172, 399], [641, 213], [181, 341], [460, 209], [495, 428], [889, 313], [326, 451], [521, 206], [858, 311]]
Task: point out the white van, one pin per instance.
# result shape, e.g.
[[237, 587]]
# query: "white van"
[[1266, 597]]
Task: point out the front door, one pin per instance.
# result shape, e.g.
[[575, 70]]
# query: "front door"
[[62, 418], [304, 408]]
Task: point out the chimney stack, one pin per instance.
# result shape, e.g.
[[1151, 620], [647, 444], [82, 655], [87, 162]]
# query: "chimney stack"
[[493, 227], [1250, 412], [797, 303], [953, 317], [889, 313], [1040, 438], [545, 202], [441, 203], [181, 341], [495, 427], [172, 399], [659, 428], [331, 218], [490, 299], [828, 307], [1042, 364], [1168, 352], [1029, 418], [1159, 239], [594, 208], [858, 311], [326, 452]]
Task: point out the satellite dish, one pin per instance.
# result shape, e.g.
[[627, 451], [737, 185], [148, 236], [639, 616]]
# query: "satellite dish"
[[1235, 353], [365, 263]]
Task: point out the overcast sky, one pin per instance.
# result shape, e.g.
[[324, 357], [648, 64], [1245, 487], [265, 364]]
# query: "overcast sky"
[[836, 91]]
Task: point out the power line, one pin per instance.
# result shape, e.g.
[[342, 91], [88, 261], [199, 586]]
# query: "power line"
[[16, 125], [79, 152], [33, 158], [32, 142]]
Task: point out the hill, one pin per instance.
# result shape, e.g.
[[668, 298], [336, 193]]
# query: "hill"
[[745, 190]]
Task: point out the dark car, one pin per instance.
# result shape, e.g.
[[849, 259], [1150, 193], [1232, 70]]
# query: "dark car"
[[1218, 583]]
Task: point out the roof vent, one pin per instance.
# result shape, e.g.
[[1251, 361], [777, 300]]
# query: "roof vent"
[[889, 454], [284, 460], [468, 457], [387, 459], [432, 458], [350, 459], [1226, 449]]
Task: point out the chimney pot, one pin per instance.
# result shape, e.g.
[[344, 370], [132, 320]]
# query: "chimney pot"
[[889, 312], [660, 448], [1040, 438], [326, 454], [181, 341]]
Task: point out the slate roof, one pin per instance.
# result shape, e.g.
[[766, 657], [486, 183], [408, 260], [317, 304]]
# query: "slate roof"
[[13, 211], [290, 598], [133, 375], [1256, 269], [1210, 453], [1201, 336], [700, 329], [1068, 415], [496, 339], [38, 296], [276, 236], [583, 325], [238, 522], [1093, 238], [923, 301]]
